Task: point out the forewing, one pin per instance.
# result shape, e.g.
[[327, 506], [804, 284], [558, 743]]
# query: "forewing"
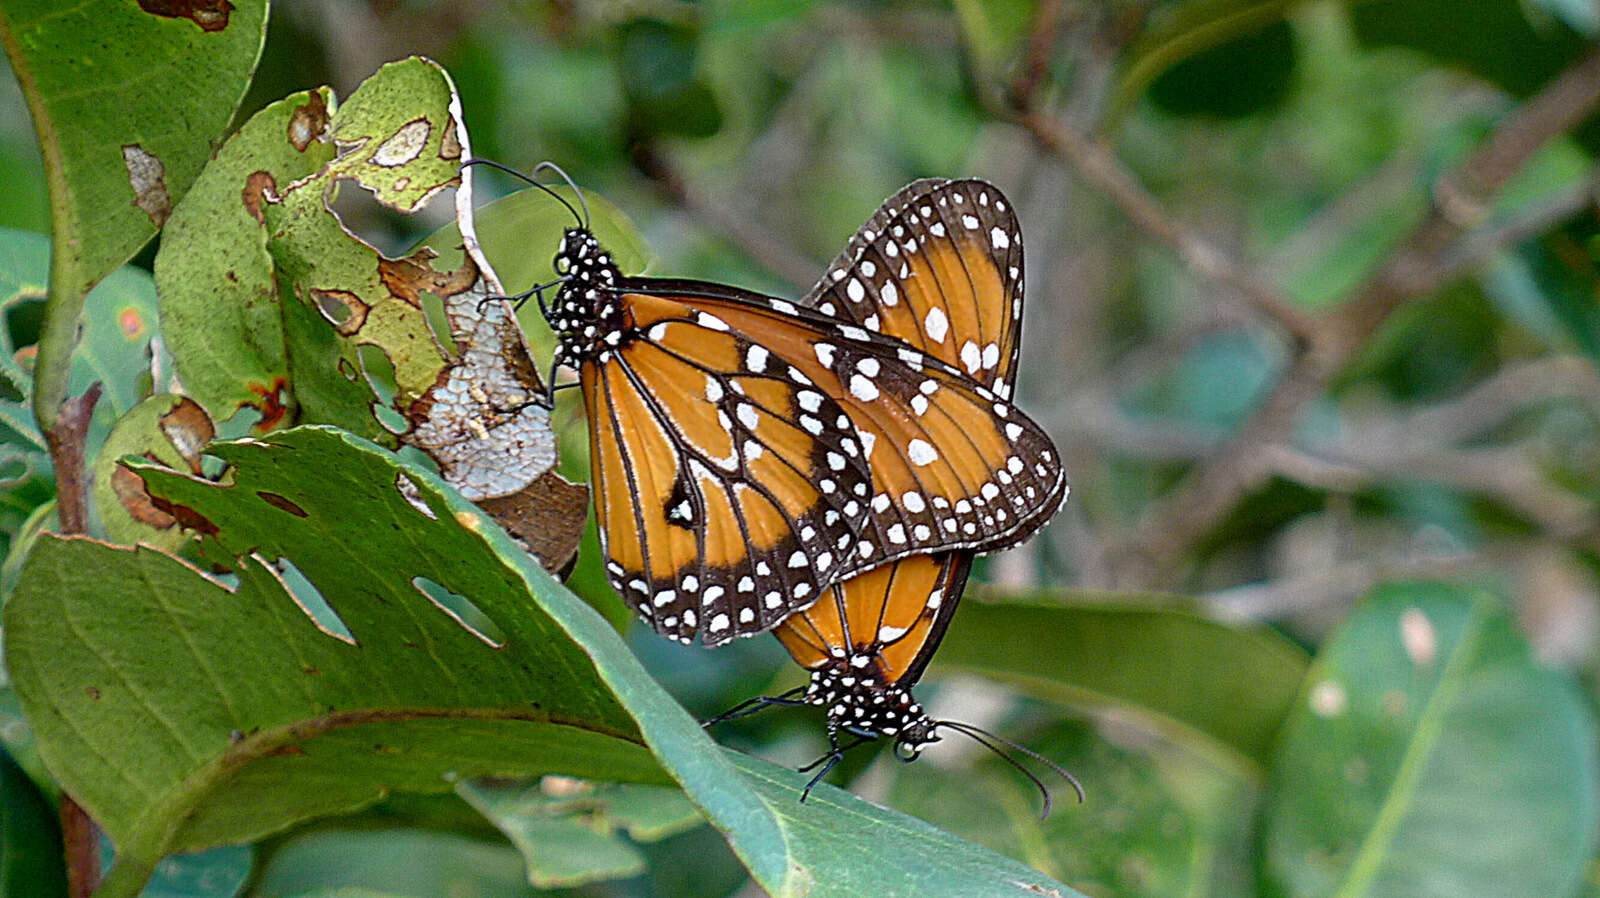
[[720, 512]]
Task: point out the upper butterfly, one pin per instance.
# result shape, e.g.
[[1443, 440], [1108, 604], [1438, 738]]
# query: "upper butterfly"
[[747, 453]]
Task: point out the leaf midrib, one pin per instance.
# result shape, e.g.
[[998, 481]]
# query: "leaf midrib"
[[1430, 726], [193, 789]]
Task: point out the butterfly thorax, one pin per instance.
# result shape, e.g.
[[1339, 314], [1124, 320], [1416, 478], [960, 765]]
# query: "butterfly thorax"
[[587, 318], [861, 700]]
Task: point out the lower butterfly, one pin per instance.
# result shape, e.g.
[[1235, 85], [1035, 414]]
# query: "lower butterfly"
[[748, 453]]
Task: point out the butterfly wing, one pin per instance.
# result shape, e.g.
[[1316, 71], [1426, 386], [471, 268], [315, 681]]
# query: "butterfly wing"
[[758, 453], [898, 613], [706, 483]]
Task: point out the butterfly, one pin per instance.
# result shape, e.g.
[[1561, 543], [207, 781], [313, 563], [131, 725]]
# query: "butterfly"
[[867, 641], [747, 452]]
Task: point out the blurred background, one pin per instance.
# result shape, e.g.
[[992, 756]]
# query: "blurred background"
[[1311, 305]]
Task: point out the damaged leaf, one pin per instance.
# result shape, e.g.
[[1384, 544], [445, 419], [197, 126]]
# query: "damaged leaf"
[[308, 306], [219, 309], [168, 430], [126, 135], [253, 718], [126, 107]]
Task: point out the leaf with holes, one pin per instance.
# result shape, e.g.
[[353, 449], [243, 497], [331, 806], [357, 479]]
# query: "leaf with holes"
[[167, 429], [219, 295], [252, 717], [126, 99], [1432, 756]]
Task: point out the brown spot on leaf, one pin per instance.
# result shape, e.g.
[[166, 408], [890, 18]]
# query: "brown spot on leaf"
[[130, 491], [189, 429], [148, 177], [308, 122], [93, 692], [311, 671], [188, 518], [271, 404], [343, 309], [405, 145], [546, 516], [210, 15], [287, 750], [132, 322], [281, 503], [386, 749], [407, 278], [450, 142], [259, 187], [24, 357]]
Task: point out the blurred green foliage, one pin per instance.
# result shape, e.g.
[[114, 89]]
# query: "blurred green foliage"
[[1319, 742]]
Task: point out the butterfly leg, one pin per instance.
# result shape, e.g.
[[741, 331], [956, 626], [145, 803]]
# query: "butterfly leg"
[[751, 706], [834, 756]]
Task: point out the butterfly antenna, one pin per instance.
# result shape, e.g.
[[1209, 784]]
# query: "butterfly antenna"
[[987, 740], [583, 219], [575, 191]]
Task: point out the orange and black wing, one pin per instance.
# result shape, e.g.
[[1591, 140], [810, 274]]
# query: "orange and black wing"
[[748, 454], [896, 614], [706, 477]]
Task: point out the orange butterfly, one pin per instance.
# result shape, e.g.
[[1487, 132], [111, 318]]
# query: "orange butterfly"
[[867, 641], [748, 453]]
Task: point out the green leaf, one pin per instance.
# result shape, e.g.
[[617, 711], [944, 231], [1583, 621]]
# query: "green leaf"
[[268, 720], [839, 845], [1160, 818], [220, 310], [1233, 685], [1431, 755], [126, 104], [206, 874], [404, 863], [1180, 31], [254, 718], [114, 350], [31, 862], [569, 831]]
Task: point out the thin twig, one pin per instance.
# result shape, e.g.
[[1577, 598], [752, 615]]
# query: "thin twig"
[[1420, 264], [1097, 165], [67, 436], [66, 439], [80, 844]]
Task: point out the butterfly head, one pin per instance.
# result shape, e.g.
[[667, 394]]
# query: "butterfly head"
[[861, 699], [585, 315]]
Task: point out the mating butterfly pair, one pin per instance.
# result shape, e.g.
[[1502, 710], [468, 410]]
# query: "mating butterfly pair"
[[825, 469]]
